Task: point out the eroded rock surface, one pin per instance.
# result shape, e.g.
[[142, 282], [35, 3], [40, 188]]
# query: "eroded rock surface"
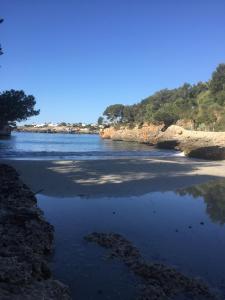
[[25, 243], [147, 133], [198, 144], [159, 280]]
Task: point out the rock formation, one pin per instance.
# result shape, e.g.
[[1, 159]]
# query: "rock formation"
[[26, 241], [159, 281], [145, 134], [199, 144]]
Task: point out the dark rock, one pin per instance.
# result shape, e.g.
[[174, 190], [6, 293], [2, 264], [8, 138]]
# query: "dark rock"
[[26, 241], [160, 281], [208, 152], [198, 144]]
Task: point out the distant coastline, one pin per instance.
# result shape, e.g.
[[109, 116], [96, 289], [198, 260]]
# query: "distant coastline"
[[70, 129]]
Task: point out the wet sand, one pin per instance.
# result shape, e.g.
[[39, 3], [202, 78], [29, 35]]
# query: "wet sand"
[[115, 177]]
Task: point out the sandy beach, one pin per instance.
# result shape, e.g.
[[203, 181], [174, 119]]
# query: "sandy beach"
[[115, 177]]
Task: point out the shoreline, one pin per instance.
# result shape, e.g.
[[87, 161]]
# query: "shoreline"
[[115, 177], [26, 244], [196, 144]]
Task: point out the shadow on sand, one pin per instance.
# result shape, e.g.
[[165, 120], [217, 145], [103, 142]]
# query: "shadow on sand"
[[119, 177]]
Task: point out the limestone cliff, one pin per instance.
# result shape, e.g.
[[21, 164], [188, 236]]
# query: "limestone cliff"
[[145, 134], [200, 144]]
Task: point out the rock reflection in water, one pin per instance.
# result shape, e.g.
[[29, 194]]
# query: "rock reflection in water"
[[213, 193]]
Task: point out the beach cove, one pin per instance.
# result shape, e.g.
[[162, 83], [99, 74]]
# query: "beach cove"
[[164, 205]]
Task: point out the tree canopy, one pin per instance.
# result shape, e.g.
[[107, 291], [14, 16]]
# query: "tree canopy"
[[16, 106], [203, 103]]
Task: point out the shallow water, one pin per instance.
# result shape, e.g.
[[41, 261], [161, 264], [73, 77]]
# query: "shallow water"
[[72, 146], [184, 229]]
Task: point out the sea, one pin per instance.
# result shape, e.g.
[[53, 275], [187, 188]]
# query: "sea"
[[183, 229], [50, 146]]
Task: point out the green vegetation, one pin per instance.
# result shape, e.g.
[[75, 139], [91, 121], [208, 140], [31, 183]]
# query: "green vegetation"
[[213, 193], [100, 120], [202, 103], [16, 106]]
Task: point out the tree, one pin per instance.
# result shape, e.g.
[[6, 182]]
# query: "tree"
[[114, 113], [16, 106], [62, 124], [100, 120], [217, 83], [166, 116]]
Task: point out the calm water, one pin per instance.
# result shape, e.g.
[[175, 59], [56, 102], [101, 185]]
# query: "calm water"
[[184, 229], [71, 146]]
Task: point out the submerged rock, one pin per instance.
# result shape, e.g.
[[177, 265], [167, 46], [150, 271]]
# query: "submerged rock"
[[159, 281], [26, 241]]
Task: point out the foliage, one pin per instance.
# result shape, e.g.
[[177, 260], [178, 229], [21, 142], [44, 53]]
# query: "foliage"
[[62, 124], [16, 106], [213, 193], [114, 113], [100, 120], [204, 103]]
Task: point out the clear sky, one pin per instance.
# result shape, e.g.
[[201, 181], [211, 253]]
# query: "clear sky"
[[79, 56]]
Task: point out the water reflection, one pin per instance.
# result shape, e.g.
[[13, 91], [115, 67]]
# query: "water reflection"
[[213, 193], [165, 227]]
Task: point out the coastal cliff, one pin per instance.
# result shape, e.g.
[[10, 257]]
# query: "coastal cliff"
[[25, 245], [146, 134], [199, 144]]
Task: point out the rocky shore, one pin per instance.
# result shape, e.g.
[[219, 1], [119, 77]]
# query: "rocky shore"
[[198, 144], [159, 281], [25, 245]]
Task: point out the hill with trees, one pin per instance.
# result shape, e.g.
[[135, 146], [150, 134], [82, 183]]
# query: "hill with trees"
[[202, 103]]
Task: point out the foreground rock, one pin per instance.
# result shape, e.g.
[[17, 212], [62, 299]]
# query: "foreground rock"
[[26, 241], [199, 144], [159, 281]]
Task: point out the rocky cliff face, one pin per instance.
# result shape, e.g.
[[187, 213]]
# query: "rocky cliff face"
[[145, 134], [200, 144], [26, 241]]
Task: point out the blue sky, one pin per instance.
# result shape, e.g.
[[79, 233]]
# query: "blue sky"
[[79, 56]]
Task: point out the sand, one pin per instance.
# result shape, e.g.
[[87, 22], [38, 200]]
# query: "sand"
[[115, 177]]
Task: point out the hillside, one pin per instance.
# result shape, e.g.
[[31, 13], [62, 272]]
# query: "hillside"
[[201, 104]]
